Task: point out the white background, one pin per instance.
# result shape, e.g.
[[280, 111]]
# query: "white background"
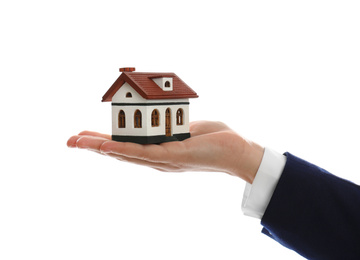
[[282, 73]]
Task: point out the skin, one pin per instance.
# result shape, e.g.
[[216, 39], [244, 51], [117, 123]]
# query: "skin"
[[213, 147]]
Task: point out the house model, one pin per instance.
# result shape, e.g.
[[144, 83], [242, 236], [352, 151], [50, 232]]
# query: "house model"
[[149, 107]]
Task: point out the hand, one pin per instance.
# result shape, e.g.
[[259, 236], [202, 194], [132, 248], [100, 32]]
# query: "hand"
[[213, 147]]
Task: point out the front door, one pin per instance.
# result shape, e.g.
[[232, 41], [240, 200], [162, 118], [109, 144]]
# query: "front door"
[[168, 122]]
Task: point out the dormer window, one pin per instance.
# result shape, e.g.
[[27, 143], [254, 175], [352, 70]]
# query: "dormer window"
[[128, 95], [165, 83]]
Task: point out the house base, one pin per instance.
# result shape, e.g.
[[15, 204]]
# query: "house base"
[[155, 139]]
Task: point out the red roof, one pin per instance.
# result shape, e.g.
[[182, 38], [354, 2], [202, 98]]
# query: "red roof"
[[142, 82]]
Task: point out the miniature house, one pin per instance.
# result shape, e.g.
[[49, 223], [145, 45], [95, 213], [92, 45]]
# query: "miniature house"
[[149, 107]]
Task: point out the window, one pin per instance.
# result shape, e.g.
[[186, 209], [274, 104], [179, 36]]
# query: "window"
[[168, 122], [128, 95], [137, 119], [180, 117], [167, 84], [155, 118], [121, 119]]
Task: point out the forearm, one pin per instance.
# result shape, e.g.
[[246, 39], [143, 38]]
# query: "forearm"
[[314, 212]]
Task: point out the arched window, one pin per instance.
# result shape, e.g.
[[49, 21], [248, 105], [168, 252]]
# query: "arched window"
[[155, 118], [128, 95], [167, 84], [121, 119], [180, 116], [137, 119], [168, 122]]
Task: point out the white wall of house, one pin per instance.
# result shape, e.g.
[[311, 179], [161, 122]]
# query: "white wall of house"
[[120, 95], [146, 110]]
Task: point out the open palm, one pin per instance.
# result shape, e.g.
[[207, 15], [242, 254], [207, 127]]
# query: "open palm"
[[213, 146]]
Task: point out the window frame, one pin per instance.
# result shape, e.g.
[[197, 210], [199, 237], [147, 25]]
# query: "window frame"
[[155, 118], [180, 116], [121, 119], [137, 119]]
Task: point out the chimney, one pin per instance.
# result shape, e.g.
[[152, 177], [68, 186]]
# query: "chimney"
[[127, 69]]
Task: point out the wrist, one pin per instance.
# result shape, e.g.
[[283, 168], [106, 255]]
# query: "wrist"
[[248, 162], [254, 156]]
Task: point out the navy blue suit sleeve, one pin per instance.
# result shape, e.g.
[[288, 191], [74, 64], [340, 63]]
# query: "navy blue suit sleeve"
[[314, 212]]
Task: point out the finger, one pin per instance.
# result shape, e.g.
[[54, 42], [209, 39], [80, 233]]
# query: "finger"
[[90, 142], [158, 166], [91, 133], [72, 141], [150, 152]]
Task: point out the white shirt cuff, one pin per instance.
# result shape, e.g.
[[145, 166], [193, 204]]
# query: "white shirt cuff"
[[258, 194]]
